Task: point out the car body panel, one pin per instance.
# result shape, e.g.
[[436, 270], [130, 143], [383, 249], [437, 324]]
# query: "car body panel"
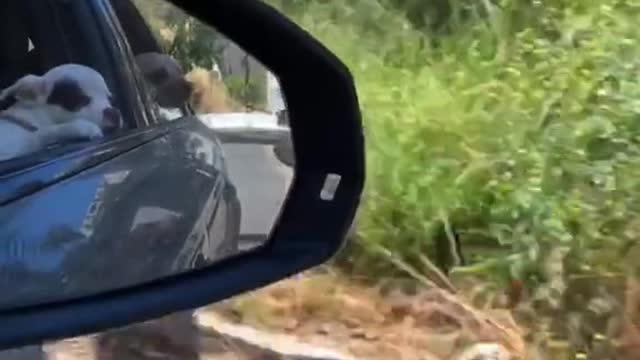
[[249, 128], [142, 215], [115, 213]]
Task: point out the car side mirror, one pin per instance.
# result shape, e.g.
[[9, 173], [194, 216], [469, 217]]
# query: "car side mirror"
[[113, 233]]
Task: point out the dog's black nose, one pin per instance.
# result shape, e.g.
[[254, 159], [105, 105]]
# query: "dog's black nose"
[[111, 119]]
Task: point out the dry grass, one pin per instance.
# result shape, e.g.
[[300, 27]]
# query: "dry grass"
[[381, 322], [210, 95], [329, 310]]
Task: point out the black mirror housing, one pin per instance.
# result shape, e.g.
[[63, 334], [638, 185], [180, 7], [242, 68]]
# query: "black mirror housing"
[[328, 145]]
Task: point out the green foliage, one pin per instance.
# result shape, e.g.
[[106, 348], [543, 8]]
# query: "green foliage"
[[519, 126], [251, 93], [194, 43]]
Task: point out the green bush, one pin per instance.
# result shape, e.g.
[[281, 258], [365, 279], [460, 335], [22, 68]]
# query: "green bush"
[[252, 93], [195, 44], [518, 128]]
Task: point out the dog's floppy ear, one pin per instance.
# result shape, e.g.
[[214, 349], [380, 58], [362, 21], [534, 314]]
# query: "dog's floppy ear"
[[29, 88], [174, 93], [164, 73]]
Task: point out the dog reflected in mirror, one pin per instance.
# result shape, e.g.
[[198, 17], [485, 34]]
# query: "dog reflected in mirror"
[[166, 79], [202, 89], [70, 102]]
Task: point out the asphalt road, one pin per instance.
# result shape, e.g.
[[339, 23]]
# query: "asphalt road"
[[262, 182]]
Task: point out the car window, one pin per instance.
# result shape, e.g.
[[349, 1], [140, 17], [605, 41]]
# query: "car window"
[[17, 54], [163, 76], [55, 93]]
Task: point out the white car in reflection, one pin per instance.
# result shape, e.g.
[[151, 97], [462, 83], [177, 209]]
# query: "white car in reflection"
[[258, 128]]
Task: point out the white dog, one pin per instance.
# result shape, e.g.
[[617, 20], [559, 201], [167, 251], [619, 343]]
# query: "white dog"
[[69, 102]]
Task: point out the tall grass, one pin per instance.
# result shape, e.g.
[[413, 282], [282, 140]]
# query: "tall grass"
[[517, 127]]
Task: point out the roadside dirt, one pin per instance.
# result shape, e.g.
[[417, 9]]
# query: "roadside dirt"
[[129, 345], [320, 310], [371, 323]]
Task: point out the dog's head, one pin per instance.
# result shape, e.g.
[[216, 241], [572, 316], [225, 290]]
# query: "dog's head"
[[166, 77], [68, 92]]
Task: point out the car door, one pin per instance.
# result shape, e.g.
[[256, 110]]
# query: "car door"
[[122, 195], [219, 218]]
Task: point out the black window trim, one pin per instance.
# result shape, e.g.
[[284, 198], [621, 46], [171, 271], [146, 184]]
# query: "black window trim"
[[134, 95], [149, 106]]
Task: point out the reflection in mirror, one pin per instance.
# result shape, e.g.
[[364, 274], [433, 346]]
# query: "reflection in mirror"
[[236, 97], [211, 185]]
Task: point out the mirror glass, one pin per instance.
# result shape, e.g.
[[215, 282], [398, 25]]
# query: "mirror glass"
[[240, 99], [126, 163]]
